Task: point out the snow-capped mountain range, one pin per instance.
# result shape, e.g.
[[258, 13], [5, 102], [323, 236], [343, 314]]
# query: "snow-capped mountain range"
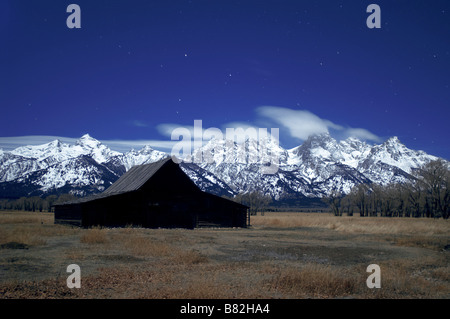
[[312, 170]]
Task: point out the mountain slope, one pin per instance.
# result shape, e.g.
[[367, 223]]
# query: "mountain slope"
[[312, 170]]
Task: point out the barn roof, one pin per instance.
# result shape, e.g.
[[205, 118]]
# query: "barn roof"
[[135, 177], [132, 180]]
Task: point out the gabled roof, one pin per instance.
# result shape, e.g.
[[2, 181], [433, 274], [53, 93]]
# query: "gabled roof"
[[128, 182], [133, 180], [135, 177]]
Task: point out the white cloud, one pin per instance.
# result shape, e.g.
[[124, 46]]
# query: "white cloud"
[[236, 131], [302, 123], [139, 123], [195, 133], [240, 131], [361, 134], [168, 129], [10, 143], [126, 145]]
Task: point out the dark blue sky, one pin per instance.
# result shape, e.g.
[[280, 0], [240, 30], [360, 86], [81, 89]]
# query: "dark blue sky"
[[136, 67]]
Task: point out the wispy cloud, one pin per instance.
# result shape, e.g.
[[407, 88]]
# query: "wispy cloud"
[[196, 131], [236, 131], [139, 123], [240, 131], [126, 145], [361, 134], [166, 129], [302, 123], [10, 143]]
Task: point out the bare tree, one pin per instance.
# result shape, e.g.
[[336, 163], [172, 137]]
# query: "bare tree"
[[257, 201], [334, 200], [435, 178], [360, 196]]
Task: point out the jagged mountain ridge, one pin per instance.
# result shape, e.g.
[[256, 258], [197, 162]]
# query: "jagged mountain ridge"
[[312, 170], [88, 167], [315, 168]]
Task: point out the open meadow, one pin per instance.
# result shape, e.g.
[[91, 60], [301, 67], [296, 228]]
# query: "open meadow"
[[282, 255]]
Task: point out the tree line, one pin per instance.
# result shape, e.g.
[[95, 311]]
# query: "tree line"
[[256, 201], [34, 203], [427, 194]]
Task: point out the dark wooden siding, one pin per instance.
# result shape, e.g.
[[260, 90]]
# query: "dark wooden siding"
[[68, 214], [153, 196]]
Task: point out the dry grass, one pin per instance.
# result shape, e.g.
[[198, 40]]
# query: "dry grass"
[[142, 246], [410, 232], [314, 281], [284, 255], [190, 257], [19, 217], [94, 236], [354, 224], [208, 282], [29, 228], [441, 273], [26, 234], [20, 235], [23, 228], [426, 241], [404, 279], [399, 279]]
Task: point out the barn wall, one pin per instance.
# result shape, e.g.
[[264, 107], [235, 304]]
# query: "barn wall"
[[218, 212], [168, 210], [114, 211], [168, 199], [154, 211], [68, 214]]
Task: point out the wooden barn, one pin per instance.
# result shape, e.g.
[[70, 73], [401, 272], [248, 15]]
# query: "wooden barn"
[[154, 195]]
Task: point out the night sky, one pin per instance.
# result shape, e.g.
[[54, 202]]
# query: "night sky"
[[136, 69]]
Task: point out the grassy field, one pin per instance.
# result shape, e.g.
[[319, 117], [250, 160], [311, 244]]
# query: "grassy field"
[[283, 255]]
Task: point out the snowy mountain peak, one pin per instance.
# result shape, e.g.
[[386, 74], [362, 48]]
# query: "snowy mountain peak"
[[39, 151], [353, 142], [147, 149], [322, 139], [88, 141], [86, 136], [87, 145], [227, 151], [56, 143], [143, 156], [393, 139], [312, 169], [321, 146], [394, 153], [394, 142]]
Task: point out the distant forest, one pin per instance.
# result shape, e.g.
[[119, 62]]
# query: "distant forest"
[[427, 194], [35, 203]]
